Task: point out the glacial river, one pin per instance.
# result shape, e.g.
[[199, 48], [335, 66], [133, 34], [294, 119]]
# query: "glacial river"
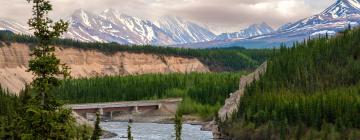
[[154, 131]]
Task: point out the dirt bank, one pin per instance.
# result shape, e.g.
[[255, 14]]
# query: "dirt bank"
[[89, 63], [232, 103]]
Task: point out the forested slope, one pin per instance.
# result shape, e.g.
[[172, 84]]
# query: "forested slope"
[[310, 91]]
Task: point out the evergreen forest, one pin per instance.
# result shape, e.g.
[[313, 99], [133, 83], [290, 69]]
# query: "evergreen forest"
[[310, 91], [203, 93]]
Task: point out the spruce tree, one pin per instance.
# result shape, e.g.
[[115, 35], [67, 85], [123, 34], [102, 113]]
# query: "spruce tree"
[[130, 137], [44, 64], [97, 130], [44, 118], [178, 125]]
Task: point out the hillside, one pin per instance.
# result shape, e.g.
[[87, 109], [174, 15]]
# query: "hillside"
[[88, 63], [310, 91]]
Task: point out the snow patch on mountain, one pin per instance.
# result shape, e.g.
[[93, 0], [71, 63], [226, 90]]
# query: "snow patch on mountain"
[[13, 27], [113, 26], [251, 31], [347, 11], [324, 32], [183, 31]]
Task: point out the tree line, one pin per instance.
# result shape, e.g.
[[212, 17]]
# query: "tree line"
[[202, 90]]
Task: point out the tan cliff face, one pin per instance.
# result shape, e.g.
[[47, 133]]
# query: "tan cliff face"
[[89, 63]]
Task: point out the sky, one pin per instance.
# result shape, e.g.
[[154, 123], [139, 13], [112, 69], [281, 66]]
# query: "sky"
[[218, 15]]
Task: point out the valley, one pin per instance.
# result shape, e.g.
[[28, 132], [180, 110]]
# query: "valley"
[[104, 74]]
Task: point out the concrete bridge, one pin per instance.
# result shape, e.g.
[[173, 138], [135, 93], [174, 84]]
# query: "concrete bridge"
[[129, 106]]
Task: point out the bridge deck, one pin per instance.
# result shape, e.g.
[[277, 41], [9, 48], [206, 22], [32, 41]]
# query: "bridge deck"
[[122, 104]]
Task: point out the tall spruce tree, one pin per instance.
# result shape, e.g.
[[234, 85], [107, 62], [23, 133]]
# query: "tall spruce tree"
[[130, 137], [178, 125], [44, 117], [97, 130], [44, 64]]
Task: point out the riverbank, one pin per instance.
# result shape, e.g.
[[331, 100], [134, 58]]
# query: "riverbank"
[[108, 135], [154, 131]]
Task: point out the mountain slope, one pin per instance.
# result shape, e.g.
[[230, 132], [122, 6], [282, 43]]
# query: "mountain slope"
[[251, 31], [338, 15], [13, 27], [144, 30], [183, 31], [112, 26]]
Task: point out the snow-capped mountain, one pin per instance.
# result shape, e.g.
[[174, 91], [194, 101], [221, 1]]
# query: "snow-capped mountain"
[[13, 27], [143, 30], [183, 31], [342, 9], [112, 26], [251, 31], [336, 18]]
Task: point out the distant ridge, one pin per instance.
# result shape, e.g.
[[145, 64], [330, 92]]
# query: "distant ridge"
[[251, 31]]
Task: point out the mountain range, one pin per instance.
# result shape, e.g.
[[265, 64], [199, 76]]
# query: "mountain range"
[[338, 17], [113, 26], [251, 31]]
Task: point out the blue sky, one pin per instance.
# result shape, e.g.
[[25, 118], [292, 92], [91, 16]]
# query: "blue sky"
[[218, 15]]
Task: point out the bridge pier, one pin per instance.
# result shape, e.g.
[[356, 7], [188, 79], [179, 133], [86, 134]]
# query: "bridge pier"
[[135, 109], [159, 106], [111, 115], [101, 111]]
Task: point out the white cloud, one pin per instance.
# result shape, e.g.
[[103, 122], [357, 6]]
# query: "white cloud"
[[222, 15]]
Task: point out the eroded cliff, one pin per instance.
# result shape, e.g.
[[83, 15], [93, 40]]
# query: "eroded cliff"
[[89, 63]]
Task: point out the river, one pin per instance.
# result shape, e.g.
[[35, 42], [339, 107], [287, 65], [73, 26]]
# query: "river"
[[154, 131]]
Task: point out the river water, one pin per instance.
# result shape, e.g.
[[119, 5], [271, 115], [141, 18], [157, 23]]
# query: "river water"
[[154, 131]]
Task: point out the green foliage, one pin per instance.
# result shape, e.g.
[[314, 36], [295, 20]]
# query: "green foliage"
[[218, 59], [43, 63], [205, 111], [178, 125], [310, 91], [49, 124], [334, 106], [15, 122], [43, 114], [268, 131], [97, 130], [203, 93], [39, 116], [317, 64], [207, 88]]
